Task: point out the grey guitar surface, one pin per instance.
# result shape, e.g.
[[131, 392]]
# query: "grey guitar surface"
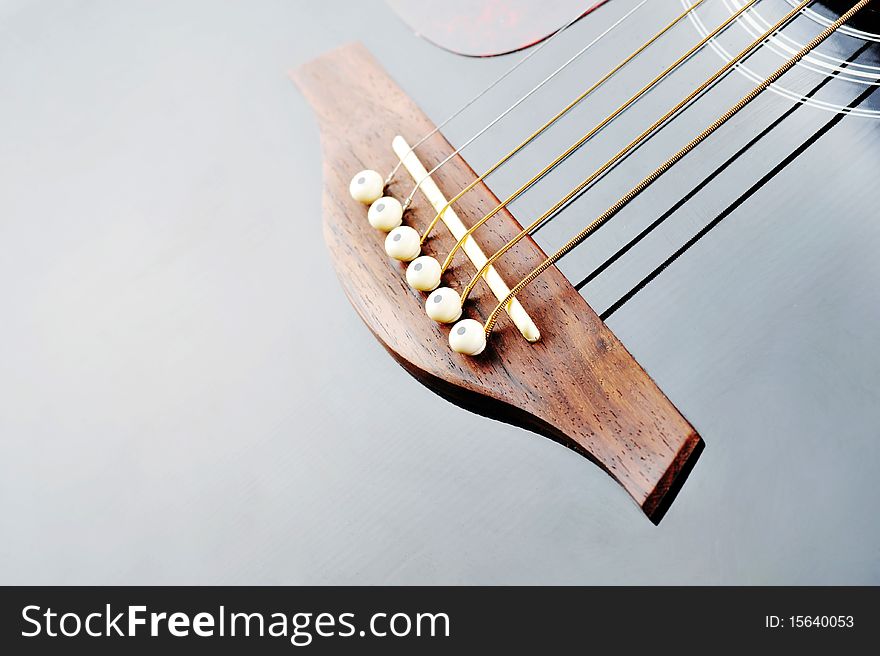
[[189, 398]]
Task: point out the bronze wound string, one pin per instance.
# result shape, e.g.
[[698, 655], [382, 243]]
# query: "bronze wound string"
[[669, 163], [633, 144], [534, 135], [586, 137], [711, 175], [408, 201]]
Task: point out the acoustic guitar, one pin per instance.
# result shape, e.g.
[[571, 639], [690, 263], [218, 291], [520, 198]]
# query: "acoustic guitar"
[[651, 231]]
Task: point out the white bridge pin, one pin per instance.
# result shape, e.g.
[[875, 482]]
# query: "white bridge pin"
[[366, 186], [423, 273], [468, 337], [385, 214], [402, 244], [444, 305]]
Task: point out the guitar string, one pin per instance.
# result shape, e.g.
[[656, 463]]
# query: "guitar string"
[[534, 135], [702, 184], [669, 163], [767, 177], [742, 62], [531, 53], [409, 199], [591, 133], [631, 145]]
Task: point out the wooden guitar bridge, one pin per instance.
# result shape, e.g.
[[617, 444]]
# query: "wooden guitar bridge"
[[577, 385]]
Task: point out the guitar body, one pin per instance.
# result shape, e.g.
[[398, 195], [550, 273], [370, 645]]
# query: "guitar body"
[[742, 281], [587, 391], [487, 28], [202, 378]]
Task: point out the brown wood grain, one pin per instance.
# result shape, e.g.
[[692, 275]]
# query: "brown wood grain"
[[578, 385]]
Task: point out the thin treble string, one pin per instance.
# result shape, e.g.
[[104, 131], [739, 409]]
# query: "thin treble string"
[[531, 53], [669, 163], [443, 162], [607, 76], [727, 22]]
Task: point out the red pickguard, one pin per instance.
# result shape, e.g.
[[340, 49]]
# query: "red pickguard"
[[485, 28]]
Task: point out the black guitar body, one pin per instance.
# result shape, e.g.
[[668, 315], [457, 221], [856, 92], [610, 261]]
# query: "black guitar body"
[[744, 280], [189, 397]]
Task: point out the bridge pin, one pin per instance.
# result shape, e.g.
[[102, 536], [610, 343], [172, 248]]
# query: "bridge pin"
[[444, 305], [385, 214], [423, 273], [468, 337], [402, 244], [366, 186]]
